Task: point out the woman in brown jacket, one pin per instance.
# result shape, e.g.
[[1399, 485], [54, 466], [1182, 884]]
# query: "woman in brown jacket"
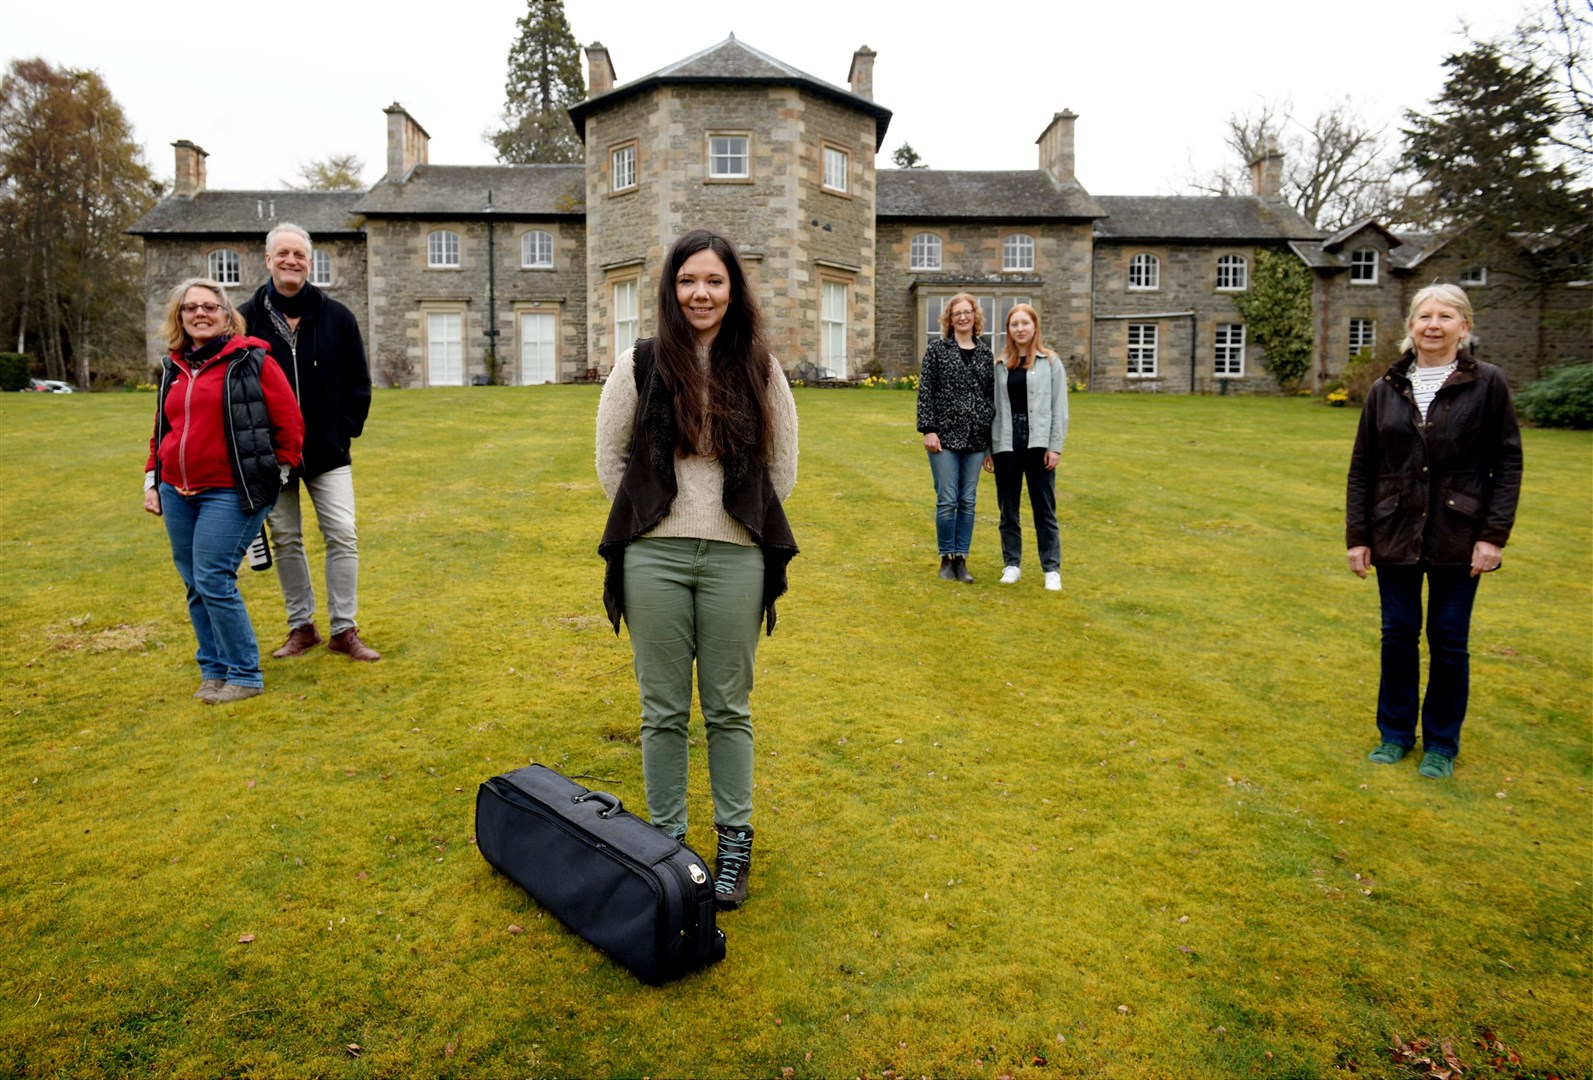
[[1432, 495]]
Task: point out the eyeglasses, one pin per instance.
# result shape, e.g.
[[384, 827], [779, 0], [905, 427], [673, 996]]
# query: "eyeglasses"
[[960, 314], [195, 309]]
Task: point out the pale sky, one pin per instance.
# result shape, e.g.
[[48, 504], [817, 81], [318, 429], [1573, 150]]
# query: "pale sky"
[[970, 87]]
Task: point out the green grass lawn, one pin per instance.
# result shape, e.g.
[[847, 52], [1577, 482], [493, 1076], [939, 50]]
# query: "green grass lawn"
[[1124, 831]]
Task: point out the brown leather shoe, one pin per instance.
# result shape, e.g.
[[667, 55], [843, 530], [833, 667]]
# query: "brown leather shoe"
[[349, 644], [300, 639]]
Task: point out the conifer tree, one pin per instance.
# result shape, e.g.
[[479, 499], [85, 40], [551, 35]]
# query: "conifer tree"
[[544, 80]]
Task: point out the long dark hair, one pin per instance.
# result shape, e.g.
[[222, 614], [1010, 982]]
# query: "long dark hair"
[[711, 414]]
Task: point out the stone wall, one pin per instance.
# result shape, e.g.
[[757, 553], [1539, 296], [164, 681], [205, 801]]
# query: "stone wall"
[[794, 232], [404, 290], [1186, 308]]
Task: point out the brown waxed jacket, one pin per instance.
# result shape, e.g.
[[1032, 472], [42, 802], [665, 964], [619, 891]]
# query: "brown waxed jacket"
[[1430, 490]]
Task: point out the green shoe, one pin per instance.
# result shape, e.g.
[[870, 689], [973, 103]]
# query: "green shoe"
[[1387, 753], [1437, 766]]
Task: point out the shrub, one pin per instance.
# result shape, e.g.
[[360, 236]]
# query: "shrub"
[[13, 371], [1361, 374], [1562, 399]]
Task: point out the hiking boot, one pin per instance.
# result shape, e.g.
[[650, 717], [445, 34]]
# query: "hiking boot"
[[1387, 753], [233, 692], [946, 572], [1010, 575], [207, 687], [959, 568], [1436, 766], [732, 865], [300, 639], [349, 644]]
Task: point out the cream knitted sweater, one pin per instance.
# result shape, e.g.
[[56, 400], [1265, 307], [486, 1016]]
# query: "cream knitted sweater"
[[698, 510]]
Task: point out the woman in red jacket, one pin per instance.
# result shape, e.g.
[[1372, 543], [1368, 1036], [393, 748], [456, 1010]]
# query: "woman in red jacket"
[[227, 430]]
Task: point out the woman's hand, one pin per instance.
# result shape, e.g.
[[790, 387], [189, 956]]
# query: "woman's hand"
[[932, 443], [152, 501], [990, 464], [1051, 458], [1485, 557], [1360, 560]]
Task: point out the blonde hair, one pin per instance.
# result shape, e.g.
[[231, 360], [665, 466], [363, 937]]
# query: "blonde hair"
[[978, 314], [171, 326], [1010, 355], [1452, 295]]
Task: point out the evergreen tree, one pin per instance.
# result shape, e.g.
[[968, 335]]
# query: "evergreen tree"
[[1478, 150], [905, 157], [544, 80]]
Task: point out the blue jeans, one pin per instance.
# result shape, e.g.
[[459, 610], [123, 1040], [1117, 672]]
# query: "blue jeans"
[[209, 533], [1450, 592], [956, 474]]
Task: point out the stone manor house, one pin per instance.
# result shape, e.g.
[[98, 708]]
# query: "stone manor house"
[[552, 269]]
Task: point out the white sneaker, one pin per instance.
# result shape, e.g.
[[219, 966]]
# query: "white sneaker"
[[1053, 580], [1010, 575]]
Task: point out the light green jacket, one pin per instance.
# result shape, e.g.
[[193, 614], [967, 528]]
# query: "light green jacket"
[[1048, 406]]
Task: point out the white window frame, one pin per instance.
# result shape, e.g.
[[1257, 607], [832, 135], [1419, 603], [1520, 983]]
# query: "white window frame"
[[835, 299], [445, 355], [1228, 351], [1362, 336], [1363, 266], [1017, 253], [1474, 276], [924, 252], [536, 250], [622, 168], [1143, 340], [995, 308], [320, 268], [225, 267], [442, 250], [837, 169], [1144, 272], [1233, 273], [625, 303], [532, 358], [727, 161]]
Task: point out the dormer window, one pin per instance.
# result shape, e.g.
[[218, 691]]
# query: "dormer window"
[[1363, 266]]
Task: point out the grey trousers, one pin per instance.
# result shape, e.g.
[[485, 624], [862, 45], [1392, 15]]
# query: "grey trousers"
[[695, 604], [332, 493]]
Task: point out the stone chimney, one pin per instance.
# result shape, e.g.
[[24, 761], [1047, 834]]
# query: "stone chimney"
[[190, 169], [862, 74], [1266, 172], [1056, 147], [599, 70], [407, 143]]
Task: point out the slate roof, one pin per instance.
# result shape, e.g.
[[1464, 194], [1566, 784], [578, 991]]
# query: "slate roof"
[[1329, 254], [1218, 219], [731, 61], [968, 195], [461, 191], [251, 213]]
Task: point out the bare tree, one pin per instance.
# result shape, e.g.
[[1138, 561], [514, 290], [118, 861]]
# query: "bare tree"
[[335, 172], [1337, 168], [1559, 42]]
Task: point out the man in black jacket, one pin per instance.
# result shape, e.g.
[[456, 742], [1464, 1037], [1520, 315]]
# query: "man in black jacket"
[[317, 343]]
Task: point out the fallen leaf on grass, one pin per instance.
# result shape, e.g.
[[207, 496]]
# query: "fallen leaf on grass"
[[448, 1051], [244, 939], [353, 1049], [787, 1071], [516, 928], [1185, 949], [1123, 1009]]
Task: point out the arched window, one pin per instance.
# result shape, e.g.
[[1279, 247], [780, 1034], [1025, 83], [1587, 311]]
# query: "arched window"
[[442, 248], [225, 267], [1144, 272], [1017, 252], [1233, 272], [536, 249], [924, 252]]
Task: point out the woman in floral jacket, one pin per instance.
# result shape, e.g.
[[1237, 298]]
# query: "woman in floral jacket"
[[955, 408]]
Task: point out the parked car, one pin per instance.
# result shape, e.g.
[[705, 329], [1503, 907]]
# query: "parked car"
[[49, 386]]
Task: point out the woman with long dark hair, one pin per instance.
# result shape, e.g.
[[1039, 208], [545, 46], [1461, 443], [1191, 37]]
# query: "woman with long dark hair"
[[697, 448]]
